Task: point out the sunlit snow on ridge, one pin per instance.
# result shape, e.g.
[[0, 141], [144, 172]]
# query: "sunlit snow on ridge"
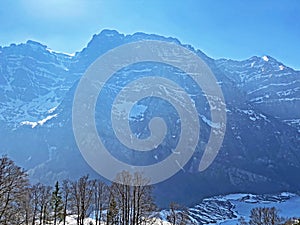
[[40, 122], [265, 58], [58, 52]]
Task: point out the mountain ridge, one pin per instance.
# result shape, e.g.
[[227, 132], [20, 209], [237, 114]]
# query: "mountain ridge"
[[110, 32], [260, 151]]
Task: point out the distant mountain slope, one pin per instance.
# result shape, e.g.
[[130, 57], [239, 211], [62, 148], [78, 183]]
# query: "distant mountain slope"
[[260, 152], [268, 85]]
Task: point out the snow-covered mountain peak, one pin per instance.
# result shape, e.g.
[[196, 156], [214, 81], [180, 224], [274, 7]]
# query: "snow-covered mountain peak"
[[33, 80], [265, 58]]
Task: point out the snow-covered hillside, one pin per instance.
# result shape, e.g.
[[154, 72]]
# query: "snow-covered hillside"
[[226, 210]]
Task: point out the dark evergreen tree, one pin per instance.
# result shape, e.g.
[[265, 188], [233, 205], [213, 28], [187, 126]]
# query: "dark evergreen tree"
[[113, 213], [57, 204]]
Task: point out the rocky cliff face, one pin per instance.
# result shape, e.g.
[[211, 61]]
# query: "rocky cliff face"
[[260, 152]]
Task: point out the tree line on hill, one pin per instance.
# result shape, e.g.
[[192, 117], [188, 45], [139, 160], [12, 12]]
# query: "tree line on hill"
[[267, 216], [127, 201]]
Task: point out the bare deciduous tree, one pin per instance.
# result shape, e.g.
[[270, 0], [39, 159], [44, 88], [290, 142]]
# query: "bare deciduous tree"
[[81, 195], [13, 189], [43, 203], [101, 197], [264, 216], [134, 199], [128, 201], [34, 201], [66, 189], [178, 215], [242, 221]]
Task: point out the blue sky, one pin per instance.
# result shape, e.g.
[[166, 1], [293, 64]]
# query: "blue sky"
[[233, 29]]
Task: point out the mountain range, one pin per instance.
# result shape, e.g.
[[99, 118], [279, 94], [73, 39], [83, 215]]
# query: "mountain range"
[[260, 151]]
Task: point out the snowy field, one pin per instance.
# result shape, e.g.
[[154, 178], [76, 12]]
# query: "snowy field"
[[287, 204], [226, 210]]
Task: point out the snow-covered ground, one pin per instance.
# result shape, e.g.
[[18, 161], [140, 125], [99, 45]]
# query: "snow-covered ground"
[[287, 205], [71, 220], [226, 210]]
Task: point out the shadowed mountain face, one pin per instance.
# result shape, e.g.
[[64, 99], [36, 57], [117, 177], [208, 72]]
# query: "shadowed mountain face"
[[260, 152]]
